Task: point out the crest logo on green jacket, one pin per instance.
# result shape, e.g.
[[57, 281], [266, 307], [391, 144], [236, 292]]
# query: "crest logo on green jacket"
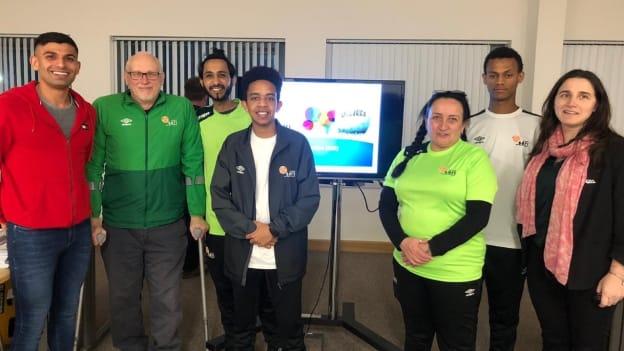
[[168, 121]]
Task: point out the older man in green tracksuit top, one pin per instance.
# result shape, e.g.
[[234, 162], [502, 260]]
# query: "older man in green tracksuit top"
[[147, 164]]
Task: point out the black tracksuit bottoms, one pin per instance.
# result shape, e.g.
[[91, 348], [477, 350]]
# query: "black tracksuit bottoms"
[[446, 310], [223, 285], [504, 273], [277, 305]]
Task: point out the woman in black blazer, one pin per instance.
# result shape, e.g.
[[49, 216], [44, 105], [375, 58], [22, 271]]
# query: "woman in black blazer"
[[571, 211]]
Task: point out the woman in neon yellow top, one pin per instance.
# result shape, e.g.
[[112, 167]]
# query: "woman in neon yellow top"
[[435, 201]]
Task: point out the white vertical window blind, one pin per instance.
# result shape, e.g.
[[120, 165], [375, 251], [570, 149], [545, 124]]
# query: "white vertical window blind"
[[424, 66], [15, 69], [606, 60], [180, 57]]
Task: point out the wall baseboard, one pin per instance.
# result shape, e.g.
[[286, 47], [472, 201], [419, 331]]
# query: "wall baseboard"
[[353, 246]]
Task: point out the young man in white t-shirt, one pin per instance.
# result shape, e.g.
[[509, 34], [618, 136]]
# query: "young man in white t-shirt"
[[265, 193], [507, 133]]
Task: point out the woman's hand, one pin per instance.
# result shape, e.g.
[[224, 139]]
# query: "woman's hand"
[[610, 289], [611, 286], [415, 252]]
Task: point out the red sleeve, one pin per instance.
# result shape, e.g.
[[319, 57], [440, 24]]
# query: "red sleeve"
[[5, 141]]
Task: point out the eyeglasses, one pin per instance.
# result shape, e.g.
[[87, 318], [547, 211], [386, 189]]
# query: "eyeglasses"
[[136, 75]]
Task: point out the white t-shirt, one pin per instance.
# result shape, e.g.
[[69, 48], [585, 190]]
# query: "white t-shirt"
[[262, 149], [508, 140]]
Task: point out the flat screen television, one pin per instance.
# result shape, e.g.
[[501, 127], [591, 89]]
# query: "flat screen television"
[[354, 127]]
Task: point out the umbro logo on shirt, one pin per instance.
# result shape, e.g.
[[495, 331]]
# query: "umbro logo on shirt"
[[126, 122], [590, 181], [519, 141], [240, 169], [478, 139], [470, 292]]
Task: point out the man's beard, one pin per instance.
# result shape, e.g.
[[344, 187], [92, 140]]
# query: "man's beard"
[[225, 97]]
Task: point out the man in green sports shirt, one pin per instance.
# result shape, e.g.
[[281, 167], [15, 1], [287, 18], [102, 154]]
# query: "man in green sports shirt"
[[224, 117], [146, 166]]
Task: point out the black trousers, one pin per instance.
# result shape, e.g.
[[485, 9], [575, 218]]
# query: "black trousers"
[[446, 310], [570, 319], [154, 255], [277, 305], [503, 275], [191, 260], [223, 285]]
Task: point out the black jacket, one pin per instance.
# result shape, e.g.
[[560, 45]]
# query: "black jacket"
[[293, 199], [599, 219]]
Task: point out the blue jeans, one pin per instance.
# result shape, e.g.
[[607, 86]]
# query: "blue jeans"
[[48, 267]]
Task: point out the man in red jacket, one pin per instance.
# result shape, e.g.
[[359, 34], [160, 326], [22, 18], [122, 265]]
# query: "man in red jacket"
[[46, 135]]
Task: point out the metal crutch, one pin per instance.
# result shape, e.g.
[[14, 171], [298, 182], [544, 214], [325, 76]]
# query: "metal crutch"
[[78, 318], [101, 238], [197, 234]]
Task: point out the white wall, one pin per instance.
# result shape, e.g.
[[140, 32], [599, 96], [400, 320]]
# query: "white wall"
[[306, 26], [595, 20]]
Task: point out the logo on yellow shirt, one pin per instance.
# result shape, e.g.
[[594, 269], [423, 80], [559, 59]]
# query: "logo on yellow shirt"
[[445, 171]]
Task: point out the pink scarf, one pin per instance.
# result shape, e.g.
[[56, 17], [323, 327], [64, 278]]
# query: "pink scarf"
[[568, 187]]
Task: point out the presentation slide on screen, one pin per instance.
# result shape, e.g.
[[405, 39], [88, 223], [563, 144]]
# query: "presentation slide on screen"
[[340, 120]]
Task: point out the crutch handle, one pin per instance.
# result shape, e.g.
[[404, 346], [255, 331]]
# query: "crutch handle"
[[197, 233], [101, 237]]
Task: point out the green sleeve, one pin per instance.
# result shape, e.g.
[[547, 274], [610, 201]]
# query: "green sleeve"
[[481, 179], [95, 166], [193, 164], [231, 219]]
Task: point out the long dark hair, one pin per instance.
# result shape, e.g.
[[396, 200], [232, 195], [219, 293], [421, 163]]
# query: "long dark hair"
[[596, 126], [417, 145]]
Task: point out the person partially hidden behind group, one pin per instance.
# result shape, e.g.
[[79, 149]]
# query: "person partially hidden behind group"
[[435, 202], [570, 205]]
